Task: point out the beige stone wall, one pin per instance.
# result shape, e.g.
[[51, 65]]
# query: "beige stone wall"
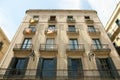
[[111, 27], [6, 44], [61, 38]]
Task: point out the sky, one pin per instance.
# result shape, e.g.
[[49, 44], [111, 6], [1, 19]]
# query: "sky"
[[12, 12]]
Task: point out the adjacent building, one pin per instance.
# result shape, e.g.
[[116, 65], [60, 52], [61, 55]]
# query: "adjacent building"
[[4, 44], [61, 45], [113, 28]]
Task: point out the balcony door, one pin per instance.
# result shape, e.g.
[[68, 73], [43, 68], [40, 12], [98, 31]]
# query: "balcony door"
[[75, 69], [97, 44], [50, 44], [91, 29], [73, 44], [71, 28], [26, 43], [106, 67], [17, 67], [47, 68]]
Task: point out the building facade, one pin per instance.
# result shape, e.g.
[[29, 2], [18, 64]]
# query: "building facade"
[[113, 28], [4, 44], [61, 45]]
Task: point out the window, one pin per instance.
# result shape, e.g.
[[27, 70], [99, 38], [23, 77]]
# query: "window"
[[36, 17], [52, 18], [87, 17], [26, 43], [118, 22], [17, 66], [75, 68], [47, 67], [71, 28], [51, 27], [50, 43], [70, 17], [1, 44], [73, 44], [32, 28], [91, 29], [106, 67], [97, 43]]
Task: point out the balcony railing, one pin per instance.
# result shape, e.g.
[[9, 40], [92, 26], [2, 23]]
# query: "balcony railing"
[[101, 49], [59, 74], [89, 21], [75, 47], [94, 31], [52, 20], [29, 31], [23, 47], [48, 47], [71, 20], [100, 46], [74, 31]]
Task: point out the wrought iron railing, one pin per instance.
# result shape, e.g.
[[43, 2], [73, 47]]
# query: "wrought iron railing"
[[23, 47], [72, 30], [95, 30], [48, 47], [60, 74], [100, 47], [77, 47]]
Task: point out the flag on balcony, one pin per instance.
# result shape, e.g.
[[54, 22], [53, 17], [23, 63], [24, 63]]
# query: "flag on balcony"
[[49, 31], [32, 21], [28, 31]]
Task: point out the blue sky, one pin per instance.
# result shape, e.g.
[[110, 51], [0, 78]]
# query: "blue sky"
[[13, 11]]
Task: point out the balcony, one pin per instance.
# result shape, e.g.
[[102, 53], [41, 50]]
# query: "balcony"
[[101, 49], [52, 20], [71, 20], [31, 74], [48, 49], [73, 32], [94, 32], [89, 21], [29, 31], [50, 32], [21, 50], [75, 49], [33, 21]]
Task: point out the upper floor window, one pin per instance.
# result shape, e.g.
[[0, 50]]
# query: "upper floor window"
[[118, 22], [27, 43], [52, 18], [71, 28], [91, 28], [70, 17], [87, 17], [73, 44], [35, 17], [1, 44], [97, 43], [51, 27], [32, 27]]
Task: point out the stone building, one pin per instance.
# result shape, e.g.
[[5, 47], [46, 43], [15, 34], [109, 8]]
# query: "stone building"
[[61, 45], [4, 44], [113, 28]]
